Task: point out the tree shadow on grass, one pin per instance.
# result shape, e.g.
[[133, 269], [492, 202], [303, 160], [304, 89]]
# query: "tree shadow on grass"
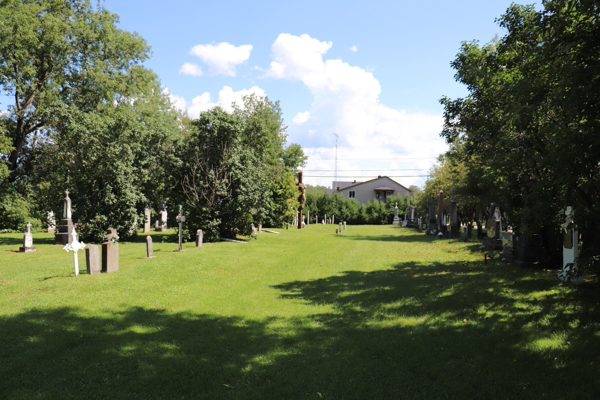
[[392, 238], [12, 241], [387, 334], [463, 330]]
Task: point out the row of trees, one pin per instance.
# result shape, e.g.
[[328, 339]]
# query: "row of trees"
[[88, 117], [319, 202], [526, 136]]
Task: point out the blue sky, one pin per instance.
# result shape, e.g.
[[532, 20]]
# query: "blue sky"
[[382, 98]]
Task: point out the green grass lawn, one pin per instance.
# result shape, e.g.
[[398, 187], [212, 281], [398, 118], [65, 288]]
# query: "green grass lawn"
[[378, 312]]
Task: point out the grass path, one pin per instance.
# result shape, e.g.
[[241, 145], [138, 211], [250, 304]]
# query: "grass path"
[[378, 312]]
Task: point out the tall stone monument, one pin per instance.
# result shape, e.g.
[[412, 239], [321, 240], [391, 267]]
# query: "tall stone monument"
[[570, 272], [66, 223], [51, 222], [27, 240], [161, 222], [301, 199], [147, 217], [432, 218], [180, 220], [455, 229], [441, 226], [396, 218]]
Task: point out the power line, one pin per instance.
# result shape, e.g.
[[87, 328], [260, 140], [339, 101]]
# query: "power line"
[[366, 170], [365, 176], [369, 159]]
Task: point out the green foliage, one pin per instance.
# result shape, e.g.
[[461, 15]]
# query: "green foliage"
[[223, 185], [15, 211], [109, 160], [293, 157], [57, 54], [318, 201], [531, 117]]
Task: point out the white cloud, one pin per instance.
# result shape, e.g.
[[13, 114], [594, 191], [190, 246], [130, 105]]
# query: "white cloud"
[[191, 69], [204, 102], [353, 49], [301, 118], [222, 58], [346, 101]]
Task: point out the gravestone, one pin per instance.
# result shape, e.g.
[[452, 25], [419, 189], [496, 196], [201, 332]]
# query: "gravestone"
[[455, 229], [110, 252], [344, 225], [528, 251], [92, 259], [341, 227], [307, 217], [260, 227], [570, 252], [161, 222], [463, 235], [180, 220], [199, 238], [147, 217], [66, 223], [301, 199], [333, 219], [432, 219], [493, 228], [51, 222], [337, 231], [149, 247], [507, 245], [254, 231], [27, 240], [325, 219], [440, 211], [396, 218]]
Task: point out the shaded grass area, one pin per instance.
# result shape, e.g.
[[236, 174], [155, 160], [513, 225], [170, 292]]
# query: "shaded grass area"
[[305, 314]]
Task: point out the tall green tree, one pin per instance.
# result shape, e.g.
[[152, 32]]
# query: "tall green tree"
[[532, 115], [112, 160], [61, 55]]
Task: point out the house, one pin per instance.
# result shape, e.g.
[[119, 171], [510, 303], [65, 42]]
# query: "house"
[[376, 189]]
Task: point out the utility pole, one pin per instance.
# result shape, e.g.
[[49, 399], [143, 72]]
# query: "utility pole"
[[336, 142]]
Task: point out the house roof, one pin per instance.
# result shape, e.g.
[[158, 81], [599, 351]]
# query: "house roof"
[[381, 177]]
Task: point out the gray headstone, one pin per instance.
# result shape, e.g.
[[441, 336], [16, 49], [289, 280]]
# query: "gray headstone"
[[110, 253], [149, 253], [147, 217], [51, 222], [341, 227], [199, 238], [92, 259], [110, 257]]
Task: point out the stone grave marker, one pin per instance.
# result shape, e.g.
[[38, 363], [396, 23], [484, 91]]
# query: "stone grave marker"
[[66, 223], [92, 259], [51, 222], [396, 218], [149, 247], [110, 252], [27, 240], [199, 238], [147, 217], [180, 220], [341, 227], [344, 225], [570, 251]]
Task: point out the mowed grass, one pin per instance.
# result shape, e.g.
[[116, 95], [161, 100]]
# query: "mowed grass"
[[378, 312]]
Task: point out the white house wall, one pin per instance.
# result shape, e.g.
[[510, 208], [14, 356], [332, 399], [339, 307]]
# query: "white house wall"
[[365, 192]]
